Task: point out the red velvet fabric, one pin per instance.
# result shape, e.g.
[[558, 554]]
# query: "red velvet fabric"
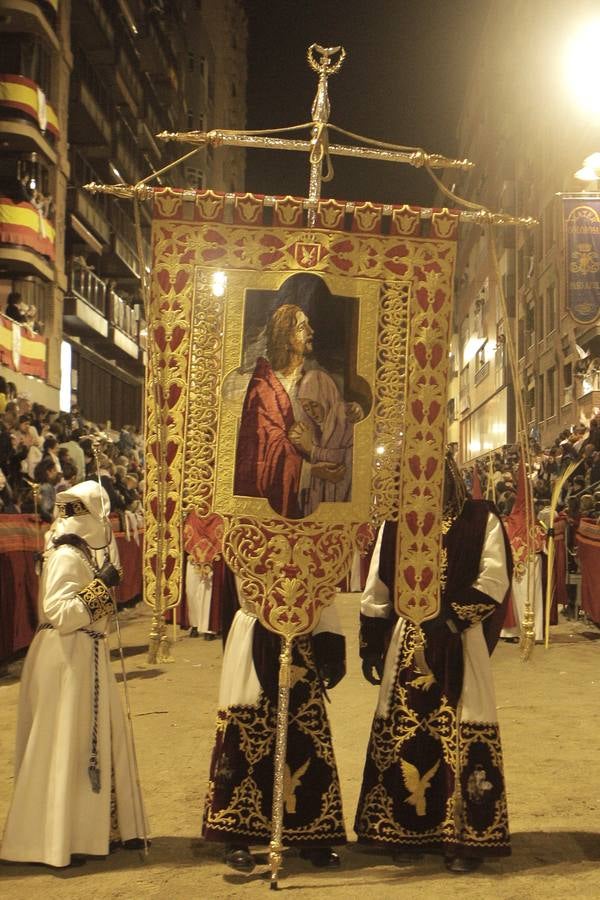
[[587, 539], [18, 601]]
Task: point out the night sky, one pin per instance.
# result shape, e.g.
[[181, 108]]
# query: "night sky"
[[402, 81]]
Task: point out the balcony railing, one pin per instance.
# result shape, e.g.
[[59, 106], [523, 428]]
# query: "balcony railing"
[[85, 284], [122, 315], [20, 97]]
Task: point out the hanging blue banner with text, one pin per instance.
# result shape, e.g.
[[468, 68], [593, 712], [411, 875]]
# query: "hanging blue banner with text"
[[581, 222]]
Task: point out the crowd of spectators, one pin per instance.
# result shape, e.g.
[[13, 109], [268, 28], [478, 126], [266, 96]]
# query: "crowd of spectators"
[[581, 493], [44, 452]]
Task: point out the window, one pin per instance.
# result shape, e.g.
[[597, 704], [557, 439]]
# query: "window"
[[568, 374], [550, 392], [530, 404], [24, 54], [530, 324], [521, 339], [191, 60], [541, 397], [550, 310], [190, 119], [480, 357]]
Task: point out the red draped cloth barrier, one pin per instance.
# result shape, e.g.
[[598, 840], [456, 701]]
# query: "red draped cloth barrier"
[[560, 563], [132, 563], [20, 538], [587, 539]]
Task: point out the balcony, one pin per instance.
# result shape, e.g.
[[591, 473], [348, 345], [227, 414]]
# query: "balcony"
[[22, 99], [21, 349], [122, 259], [127, 155], [88, 122], [124, 326], [104, 320], [27, 239], [32, 17], [481, 373], [84, 310], [157, 60], [97, 38], [90, 210]]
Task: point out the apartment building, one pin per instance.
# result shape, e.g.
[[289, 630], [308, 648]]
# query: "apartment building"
[[527, 137], [85, 87]]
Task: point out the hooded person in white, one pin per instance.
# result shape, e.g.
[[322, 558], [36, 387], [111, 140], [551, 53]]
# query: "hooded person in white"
[[75, 789]]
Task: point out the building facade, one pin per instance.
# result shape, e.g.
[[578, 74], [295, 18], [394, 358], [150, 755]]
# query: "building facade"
[[527, 137], [85, 87]]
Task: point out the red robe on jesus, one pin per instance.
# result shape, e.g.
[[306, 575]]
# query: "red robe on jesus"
[[267, 463]]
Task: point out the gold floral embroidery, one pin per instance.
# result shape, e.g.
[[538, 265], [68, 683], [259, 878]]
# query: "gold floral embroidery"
[[377, 817], [70, 508], [472, 613], [97, 600], [256, 725]]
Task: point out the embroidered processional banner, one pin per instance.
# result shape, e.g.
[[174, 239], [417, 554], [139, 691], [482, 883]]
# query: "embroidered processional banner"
[[581, 229], [297, 392]]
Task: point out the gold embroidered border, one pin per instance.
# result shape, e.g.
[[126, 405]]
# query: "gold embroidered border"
[[288, 573], [472, 613], [496, 835], [390, 398], [415, 276], [419, 534], [96, 598]]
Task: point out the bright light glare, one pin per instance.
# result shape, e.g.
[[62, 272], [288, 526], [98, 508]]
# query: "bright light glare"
[[582, 66], [380, 451], [219, 283], [587, 174], [64, 397], [592, 161]]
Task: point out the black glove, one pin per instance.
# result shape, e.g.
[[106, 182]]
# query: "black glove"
[[372, 662], [332, 673], [109, 575]]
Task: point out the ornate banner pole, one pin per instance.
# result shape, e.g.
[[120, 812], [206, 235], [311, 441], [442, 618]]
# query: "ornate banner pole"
[[283, 702], [324, 67]]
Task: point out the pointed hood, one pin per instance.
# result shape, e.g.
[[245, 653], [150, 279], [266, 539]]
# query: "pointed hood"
[[83, 510]]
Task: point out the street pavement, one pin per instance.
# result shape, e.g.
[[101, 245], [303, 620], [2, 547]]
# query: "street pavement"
[[548, 711]]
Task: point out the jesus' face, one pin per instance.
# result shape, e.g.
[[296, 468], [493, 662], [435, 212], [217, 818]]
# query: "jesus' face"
[[301, 335]]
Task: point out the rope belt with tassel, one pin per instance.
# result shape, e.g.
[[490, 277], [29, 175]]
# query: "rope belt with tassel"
[[93, 767]]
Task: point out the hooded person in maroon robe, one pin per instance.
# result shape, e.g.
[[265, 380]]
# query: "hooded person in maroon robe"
[[274, 441]]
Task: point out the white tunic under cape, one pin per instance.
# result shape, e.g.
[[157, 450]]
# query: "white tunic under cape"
[[54, 812], [478, 700]]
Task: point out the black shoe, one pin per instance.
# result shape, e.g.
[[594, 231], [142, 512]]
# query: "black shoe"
[[210, 636], [135, 844], [239, 858], [321, 857], [462, 865], [78, 859], [194, 632]]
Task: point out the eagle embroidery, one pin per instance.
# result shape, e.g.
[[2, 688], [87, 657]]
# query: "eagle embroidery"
[[417, 785], [291, 783]]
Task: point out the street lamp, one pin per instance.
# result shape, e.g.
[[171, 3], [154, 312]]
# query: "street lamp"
[[590, 172]]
